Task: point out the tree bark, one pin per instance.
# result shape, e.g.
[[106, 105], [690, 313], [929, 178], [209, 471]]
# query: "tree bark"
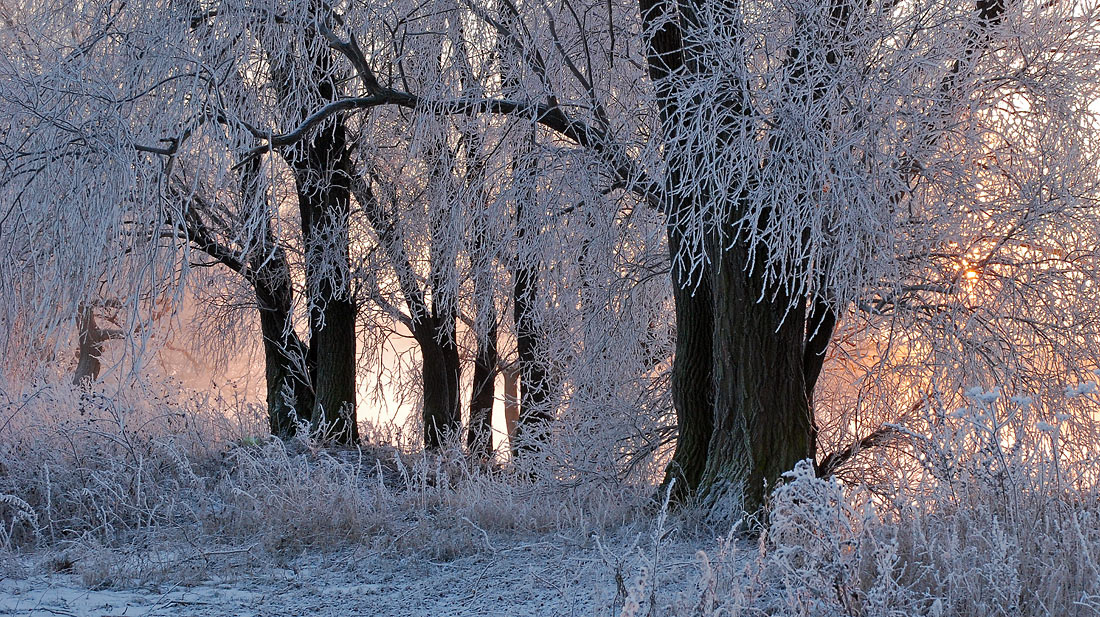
[[692, 379], [289, 392], [323, 200], [322, 170], [739, 383], [479, 438], [441, 372], [534, 390], [334, 383], [762, 423]]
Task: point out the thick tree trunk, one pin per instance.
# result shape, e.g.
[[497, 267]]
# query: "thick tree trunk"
[[441, 372], [762, 423], [739, 374], [334, 383]]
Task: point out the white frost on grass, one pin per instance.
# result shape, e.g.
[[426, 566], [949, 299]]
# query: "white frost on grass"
[[541, 576]]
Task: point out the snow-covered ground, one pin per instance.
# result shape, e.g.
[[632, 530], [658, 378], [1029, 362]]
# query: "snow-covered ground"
[[541, 576]]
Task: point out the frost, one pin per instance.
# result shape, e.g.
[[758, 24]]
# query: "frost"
[[983, 396], [1024, 402], [1087, 387]]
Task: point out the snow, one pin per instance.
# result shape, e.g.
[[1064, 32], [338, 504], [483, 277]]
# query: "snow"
[[549, 575]]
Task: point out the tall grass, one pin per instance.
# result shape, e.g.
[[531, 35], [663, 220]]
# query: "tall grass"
[[89, 466], [994, 510], [990, 508]]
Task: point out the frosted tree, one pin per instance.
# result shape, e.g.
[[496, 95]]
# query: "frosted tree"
[[143, 119], [825, 170], [813, 156], [815, 162]]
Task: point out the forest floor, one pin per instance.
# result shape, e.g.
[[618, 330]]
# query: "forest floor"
[[533, 576]]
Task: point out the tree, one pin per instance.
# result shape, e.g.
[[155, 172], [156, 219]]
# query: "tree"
[[807, 152], [780, 173], [819, 167], [158, 151]]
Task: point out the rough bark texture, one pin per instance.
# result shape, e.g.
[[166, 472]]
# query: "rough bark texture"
[[762, 422], [692, 379], [334, 383], [692, 369]]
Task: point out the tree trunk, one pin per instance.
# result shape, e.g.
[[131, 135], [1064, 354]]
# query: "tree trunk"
[[434, 330], [692, 378], [534, 390], [322, 172], [287, 364], [479, 438], [441, 373], [739, 381], [289, 395], [323, 177], [534, 387], [762, 422], [334, 384], [90, 340], [89, 347]]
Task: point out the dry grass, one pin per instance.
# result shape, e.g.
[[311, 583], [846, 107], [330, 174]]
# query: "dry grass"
[[142, 485], [977, 524], [98, 471]]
